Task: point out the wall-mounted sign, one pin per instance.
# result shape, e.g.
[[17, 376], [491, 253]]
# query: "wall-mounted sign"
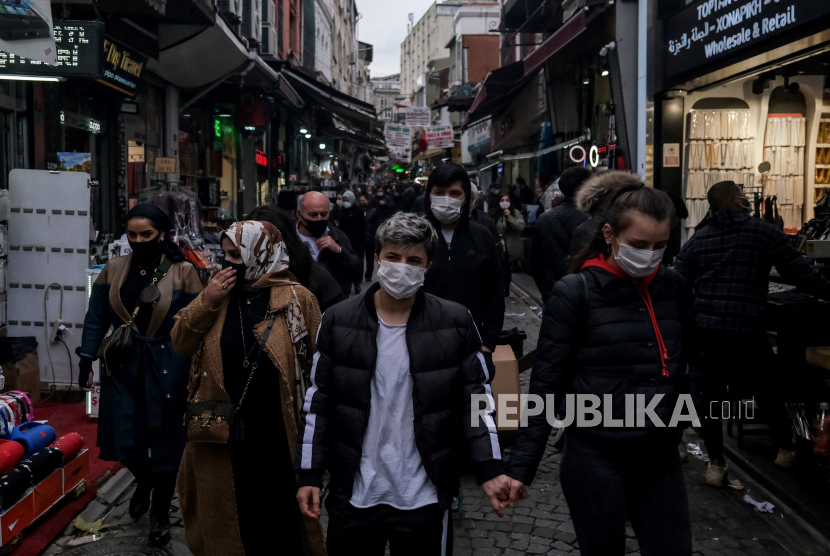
[[478, 134], [123, 68], [166, 164], [671, 155], [79, 53], [579, 154], [711, 29], [418, 116], [261, 158], [439, 137]]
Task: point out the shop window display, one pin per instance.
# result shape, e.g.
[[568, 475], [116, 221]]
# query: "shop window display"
[[721, 147], [823, 159]]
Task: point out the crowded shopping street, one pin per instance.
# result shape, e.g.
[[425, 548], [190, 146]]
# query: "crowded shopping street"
[[422, 278]]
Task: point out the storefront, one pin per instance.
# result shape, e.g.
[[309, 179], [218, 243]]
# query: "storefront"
[[738, 87]]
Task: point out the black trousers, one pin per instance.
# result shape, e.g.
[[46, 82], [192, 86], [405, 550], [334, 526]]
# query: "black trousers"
[[163, 483], [369, 255], [425, 531], [744, 361], [606, 481], [359, 248]]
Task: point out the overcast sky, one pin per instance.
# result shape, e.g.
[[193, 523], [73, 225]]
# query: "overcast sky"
[[383, 25]]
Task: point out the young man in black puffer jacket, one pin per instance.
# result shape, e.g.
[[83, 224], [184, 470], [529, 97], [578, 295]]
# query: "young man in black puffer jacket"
[[389, 411]]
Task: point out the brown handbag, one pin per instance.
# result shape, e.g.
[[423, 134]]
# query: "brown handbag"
[[219, 422]]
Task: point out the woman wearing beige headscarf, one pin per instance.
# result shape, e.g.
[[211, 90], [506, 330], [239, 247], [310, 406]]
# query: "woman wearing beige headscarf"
[[244, 491]]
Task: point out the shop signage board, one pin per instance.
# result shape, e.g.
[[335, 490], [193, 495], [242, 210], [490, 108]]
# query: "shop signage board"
[[26, 30], [399, 142], [166, 164], [439, 137], [79, 50], [711, 29], [123, 67], [479, 134], [671, 155], [418, 116]]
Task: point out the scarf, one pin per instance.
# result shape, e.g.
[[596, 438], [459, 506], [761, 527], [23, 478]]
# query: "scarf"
[[263, 252]]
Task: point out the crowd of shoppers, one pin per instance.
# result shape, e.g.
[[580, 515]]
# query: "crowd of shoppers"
[[378, 392]]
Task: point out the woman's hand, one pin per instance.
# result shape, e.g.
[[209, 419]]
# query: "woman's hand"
[[507, 212], [85, 374], [219, 287]]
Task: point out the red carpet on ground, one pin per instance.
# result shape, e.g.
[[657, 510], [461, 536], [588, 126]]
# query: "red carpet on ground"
[[65, 418]]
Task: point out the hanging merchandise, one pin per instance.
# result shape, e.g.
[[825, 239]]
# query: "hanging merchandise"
[[784, 141]]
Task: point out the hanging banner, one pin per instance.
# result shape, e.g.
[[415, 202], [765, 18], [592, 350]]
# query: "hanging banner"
[[398, 142], [711, 29], [418, 116], [26, 30], [439, 137]]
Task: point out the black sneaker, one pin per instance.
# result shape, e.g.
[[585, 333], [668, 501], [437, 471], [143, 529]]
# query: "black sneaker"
[[140, 502], [159, 531]]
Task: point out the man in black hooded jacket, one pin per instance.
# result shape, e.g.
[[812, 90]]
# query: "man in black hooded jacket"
[[465, 268]]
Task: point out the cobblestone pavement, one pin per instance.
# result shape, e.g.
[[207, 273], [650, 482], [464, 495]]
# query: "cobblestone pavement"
[[722, 523]]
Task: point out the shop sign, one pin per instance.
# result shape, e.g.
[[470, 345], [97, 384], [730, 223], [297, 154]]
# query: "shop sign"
[[261, 158], [579, 155], [398, 142], [439, 137], [418, 116], [79, 53], [123, 68], [711, 29], [479, 134], [166, 164], [671, 155]]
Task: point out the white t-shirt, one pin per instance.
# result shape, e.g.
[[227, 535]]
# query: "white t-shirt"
[[448, 236], [311, 242], [391, 470]]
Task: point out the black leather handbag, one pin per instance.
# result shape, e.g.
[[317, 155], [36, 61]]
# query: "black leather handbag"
[[117, 347], [219, 422]]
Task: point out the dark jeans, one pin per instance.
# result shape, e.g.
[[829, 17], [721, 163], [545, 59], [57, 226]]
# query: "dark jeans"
[[744, 361], [424, 531], [606, 481]]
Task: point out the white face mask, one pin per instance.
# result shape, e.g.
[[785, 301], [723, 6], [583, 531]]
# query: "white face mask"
[[505, 205], [339, 202], [347, 204], [638, 263], [446, 209], [400, 280]]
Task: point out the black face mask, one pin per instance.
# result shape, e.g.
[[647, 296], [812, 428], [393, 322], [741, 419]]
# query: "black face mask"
[[145, 252], [315, 227], [240, 269]]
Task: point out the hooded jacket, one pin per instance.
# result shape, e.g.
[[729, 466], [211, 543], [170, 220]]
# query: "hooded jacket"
[[469, 273], [605, 338]]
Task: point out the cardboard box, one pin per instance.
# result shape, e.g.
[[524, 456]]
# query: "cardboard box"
[[506, 382], [76, 471], [17, 518], [48, 492], [24, 376]]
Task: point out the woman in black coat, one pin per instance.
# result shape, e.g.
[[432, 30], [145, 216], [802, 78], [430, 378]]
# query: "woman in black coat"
[[309, 274], [144, 399], [619, 330]]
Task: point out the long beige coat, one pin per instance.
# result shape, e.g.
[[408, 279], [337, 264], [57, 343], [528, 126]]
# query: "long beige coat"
[[205, 483]]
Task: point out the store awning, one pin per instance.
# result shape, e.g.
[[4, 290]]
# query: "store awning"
[[497, 91], [561, 38], [344, 106], [454, 104], [288, 92], [192, 56]]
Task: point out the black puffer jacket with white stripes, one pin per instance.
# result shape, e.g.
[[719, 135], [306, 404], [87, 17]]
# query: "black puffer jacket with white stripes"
[[447, 369]]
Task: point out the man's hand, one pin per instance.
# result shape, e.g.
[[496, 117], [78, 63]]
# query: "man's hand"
[[309, 499], [326, 242], [485, 349], [518, 491], [497, 490]]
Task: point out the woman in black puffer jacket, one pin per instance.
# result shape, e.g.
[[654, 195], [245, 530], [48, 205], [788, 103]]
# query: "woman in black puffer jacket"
[[619, 327]]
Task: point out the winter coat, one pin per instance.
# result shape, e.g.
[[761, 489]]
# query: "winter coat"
[[447, 369], [205, 483], [375, 216], [471, 273], [163, 370], [551, 244], [346, 267], [352, 222], [601, 340], [510, 229]]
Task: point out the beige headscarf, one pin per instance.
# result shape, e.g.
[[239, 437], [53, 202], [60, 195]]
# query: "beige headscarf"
[[263, 252]]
